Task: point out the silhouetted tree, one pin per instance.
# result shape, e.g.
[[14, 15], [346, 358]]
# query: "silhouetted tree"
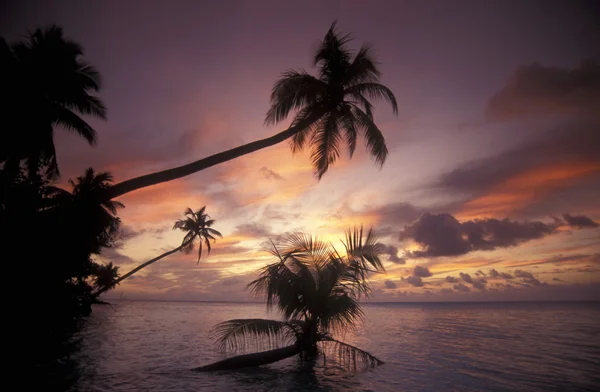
[[197, 225], [44, 85], [317, 291], [332, 109]]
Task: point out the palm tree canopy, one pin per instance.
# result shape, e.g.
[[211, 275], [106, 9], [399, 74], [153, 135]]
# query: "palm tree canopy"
[[91, 204], [335, 106], [317, 291], [47, 84], [197, 225]]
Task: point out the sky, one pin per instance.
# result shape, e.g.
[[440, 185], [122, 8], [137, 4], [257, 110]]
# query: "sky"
[[491, 187]]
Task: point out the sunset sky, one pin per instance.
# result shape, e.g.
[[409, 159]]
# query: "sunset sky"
[[491, 189]]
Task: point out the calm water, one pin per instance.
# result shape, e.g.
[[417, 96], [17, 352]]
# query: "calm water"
[[150, 346]]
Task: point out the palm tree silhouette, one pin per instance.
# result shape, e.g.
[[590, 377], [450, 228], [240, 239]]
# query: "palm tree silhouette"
[[317, 292], [91, 205], [331, 109], [45, 84], [197, 225]]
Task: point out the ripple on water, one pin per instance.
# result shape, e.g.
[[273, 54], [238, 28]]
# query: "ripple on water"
[[463, 347]]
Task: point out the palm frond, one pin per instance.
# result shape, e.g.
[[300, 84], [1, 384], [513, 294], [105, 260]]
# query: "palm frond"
[[348, 356], [348, 124], [72, 122], [293, 91], [256, 334], [325, 145], [375, 140], [341, 311], [307, 118], [366, 250], [284, 288], [214, 232], [375, 91], [332, 56], [363, 68], [87, 104]]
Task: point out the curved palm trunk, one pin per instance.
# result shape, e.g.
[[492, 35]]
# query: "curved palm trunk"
[[190, 168], [147, 263], [256, 359]]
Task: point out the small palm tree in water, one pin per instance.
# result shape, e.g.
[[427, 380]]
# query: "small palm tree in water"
[[317, 291]]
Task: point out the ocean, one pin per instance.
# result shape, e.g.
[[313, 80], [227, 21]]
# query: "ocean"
[[518, 346]]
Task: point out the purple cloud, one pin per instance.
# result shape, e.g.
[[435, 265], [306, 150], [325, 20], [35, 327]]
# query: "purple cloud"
[[422, 272], [415, 281], [389, 284], [443, 235], [579, 221]]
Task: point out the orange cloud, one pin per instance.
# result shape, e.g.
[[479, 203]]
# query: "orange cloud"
[[525, 189]]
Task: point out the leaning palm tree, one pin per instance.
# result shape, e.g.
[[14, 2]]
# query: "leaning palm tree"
[[45, 84], [317, 291], [331, 109], [197, 225]]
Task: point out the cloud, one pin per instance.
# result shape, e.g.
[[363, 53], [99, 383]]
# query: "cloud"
[[392, 252], [466, 277], [451, 279], [422, 272], [536, 90], [443, 235], [253, 230], [557, 280], [494, 274], [270, 174], [415, 281], [579, 221], [389, 284], [480, 284], [461, 287], [527, 278], [554, 168]]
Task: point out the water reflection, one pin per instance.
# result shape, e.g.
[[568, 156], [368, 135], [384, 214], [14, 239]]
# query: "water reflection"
[[472, 347]]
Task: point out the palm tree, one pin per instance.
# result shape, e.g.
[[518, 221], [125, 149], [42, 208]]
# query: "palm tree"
[[97, 213], [45, 85], [317, 291], [197, 225], [330, 109]]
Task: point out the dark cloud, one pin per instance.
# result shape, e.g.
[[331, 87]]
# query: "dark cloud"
[[536, 90], [389, 284], [557, 280], [527, 278], [466, 277], [479, 284], [461, 287], [480, 273], [494, 274], [579, 221], [270, 174], [443, 235], [422, 272], [451, 279], [562, 258], [392, 252], [415, 281]]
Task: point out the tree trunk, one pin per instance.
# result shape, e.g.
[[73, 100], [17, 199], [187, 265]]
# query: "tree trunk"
[[190, 168], [139, 267], [256, 359]]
